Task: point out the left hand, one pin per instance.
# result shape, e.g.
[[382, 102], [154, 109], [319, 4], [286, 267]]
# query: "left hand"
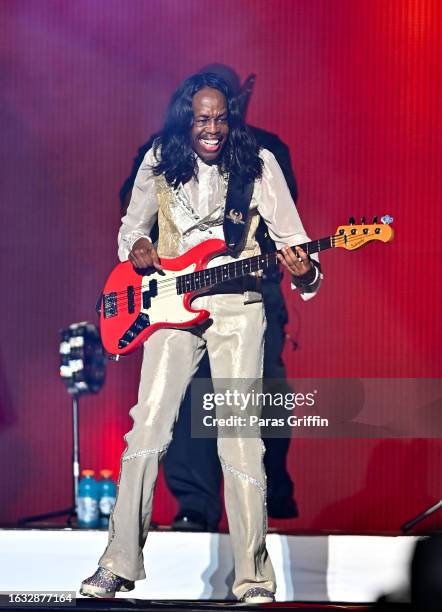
[[297, 263]]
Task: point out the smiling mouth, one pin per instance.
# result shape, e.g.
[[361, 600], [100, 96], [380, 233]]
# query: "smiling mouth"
[[211, 144]]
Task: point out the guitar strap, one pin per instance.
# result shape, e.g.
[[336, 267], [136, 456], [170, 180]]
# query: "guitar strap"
[[239, 196]]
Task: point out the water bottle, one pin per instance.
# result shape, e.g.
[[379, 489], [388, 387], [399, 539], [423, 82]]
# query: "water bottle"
[[107, 494], [87, 502]]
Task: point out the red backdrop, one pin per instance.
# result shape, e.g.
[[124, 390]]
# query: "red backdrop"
[[352, 87]]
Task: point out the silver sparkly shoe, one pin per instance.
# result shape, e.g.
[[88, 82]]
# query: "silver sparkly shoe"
[[257, 595], [105, 584]]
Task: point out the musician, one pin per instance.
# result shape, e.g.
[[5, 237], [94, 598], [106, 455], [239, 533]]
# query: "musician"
[[191, 467], [183, 183]]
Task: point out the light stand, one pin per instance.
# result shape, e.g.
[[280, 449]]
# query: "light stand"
[[83, 370]]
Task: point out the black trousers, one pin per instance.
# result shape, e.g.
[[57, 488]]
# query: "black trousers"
[[191, 465]]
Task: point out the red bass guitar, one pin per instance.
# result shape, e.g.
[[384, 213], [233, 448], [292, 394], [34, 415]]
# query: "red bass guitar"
[[134, 304]]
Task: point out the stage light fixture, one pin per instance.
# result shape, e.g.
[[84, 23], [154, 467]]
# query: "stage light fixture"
[[83, 371], [82, 359]]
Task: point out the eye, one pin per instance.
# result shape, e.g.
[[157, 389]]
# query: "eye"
[[200, 122]]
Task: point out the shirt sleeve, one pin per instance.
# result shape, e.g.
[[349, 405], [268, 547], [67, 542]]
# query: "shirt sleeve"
[[278, 210], [142, 211]]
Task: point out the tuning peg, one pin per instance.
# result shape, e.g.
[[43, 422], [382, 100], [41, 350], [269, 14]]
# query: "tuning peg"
[[386, 219], [351, 221], [362, 220], [375, 220]]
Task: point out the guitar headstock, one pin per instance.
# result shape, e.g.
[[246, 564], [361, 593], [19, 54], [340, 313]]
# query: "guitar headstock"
[[352, 236]]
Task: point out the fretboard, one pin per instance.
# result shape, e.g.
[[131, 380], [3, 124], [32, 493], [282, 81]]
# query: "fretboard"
[[241, 267]]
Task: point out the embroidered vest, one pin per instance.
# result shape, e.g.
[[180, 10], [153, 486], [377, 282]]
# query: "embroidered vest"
[[176, 223]]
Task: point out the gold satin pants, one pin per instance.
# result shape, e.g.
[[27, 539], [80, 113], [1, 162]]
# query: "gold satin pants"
[[234, 341]]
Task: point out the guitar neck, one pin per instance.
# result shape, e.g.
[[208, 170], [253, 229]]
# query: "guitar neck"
[[241, 267]]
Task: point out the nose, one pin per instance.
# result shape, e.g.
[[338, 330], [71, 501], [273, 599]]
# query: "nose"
[[212, 126]]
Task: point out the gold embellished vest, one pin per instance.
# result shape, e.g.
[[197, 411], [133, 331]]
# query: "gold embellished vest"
[[180, 230]]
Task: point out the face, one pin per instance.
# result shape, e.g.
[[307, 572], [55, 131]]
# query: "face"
[[210, 126]]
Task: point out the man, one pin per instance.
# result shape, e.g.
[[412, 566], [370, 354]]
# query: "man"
[[183, 183], [191, 466]]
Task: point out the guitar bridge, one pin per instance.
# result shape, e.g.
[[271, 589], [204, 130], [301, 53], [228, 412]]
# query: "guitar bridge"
[[110, 308]]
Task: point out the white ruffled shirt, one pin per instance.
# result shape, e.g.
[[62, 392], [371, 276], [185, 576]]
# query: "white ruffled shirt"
[[204, 199]]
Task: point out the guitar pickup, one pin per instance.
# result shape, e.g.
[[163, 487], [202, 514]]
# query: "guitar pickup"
[[140, 323], [130, 299], [149, 293], [110, 308]]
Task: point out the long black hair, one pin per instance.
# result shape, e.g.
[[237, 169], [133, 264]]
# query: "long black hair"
[[176, 159]]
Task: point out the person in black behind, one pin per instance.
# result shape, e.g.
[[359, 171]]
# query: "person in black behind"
[[191, 466]]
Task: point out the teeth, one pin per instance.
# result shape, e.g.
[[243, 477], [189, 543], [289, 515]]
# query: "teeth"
[[211, 142]]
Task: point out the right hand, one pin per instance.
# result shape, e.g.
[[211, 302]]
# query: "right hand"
[[144, 255]]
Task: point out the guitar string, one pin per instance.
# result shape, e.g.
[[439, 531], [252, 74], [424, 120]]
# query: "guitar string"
[[171, 283], [168, 287], [338, 239]]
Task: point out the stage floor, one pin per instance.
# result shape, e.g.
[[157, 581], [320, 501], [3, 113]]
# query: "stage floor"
[[133, 605], [199, 566]]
